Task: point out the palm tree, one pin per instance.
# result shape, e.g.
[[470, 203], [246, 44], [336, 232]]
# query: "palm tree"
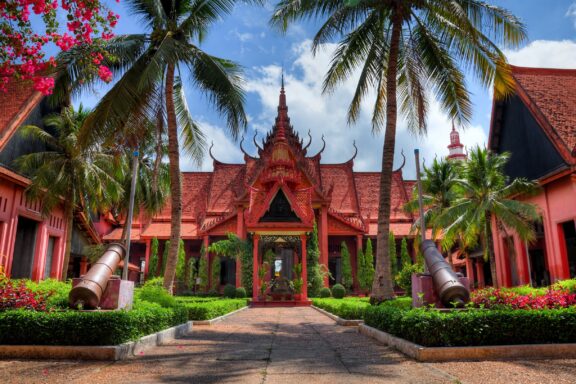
[[486, 197], [150, 88], [403, 48], [79, 177]]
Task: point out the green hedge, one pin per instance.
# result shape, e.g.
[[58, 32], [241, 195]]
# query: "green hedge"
[[86, 328], [210, 309], [352, 308], [475, 327]]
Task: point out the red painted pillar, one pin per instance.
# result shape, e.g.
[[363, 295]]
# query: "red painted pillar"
[[255, 282], [241, 235], [304, 268], [324, 240], [480, 272], [147, 257], [83, 266], [470, 271], [40, 251]]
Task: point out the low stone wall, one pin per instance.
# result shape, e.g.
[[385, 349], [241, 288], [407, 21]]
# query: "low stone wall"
[[495, 352]]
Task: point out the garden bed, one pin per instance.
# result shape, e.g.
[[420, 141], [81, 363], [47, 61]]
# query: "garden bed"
[[353, 308], [209, 309]]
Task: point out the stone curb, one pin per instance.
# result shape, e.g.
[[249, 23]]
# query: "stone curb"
[[339, 320], [218, 319], [492, 352], [89, 352]]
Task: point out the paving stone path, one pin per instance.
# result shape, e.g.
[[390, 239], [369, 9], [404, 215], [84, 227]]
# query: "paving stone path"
[[281, 345]]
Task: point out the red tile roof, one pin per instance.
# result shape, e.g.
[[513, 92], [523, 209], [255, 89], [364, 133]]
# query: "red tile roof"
[[368, 187], [339, 178], [15, 105], [551, 96]]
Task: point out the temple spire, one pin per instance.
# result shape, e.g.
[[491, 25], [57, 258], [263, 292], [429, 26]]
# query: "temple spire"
[[282, 120], [456, 149]]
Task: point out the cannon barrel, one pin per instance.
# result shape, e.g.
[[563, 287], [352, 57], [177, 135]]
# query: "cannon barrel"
[[90, 289], [446, 283]]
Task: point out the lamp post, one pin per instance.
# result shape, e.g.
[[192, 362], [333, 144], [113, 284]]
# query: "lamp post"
[[130, 211]]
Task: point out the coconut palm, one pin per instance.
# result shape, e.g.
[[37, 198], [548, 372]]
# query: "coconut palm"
[[487, 197], [403, 49], [79, 177], [151, 66]]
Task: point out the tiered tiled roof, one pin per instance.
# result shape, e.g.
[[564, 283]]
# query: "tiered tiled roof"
[[550, 94]]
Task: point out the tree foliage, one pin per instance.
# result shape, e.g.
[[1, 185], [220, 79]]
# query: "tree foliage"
[[215, 274], [314, 269], [347, 279], [153, 267], [369, 263], [241, 250], [405, 258], [181, 265], [203, 270]]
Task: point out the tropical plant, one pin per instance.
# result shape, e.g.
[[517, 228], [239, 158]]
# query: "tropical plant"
[[313, 268], [369, 263], [405, 49], [405, 258], [203, 270], [181, 265], [153, 267], [262, 271], [347, 279], [80, 177], [298, 282], [151, 66], [192, 273], [239, 249], [216, 268], [361, 270], [487, 197]]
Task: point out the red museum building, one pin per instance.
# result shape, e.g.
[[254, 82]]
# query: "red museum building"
[[538, 127], [273, 199]]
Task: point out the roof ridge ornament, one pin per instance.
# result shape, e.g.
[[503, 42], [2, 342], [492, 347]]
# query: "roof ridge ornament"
[[255, 142], [403, 162], [210, 152], [309, 141], [323, 147], [355, 151], [244, 151]]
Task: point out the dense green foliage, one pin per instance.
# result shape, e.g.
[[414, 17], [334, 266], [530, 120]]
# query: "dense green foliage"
[[209, 308], [404, 255], [240, 292], [325, 292], [58, 292], [404, 277], [156, 294], [230, 291], [215, 274], [475, 327], [314, 269], [191, 273], [203, 270], [353, 308], [347, 279], [338, 291], [361, 270], [241, 250], [165, 257], [393, 254], [181, 263], [86, 328], [153, 267]]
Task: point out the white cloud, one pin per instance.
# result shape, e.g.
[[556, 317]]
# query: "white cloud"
[[571, 13], [546, 53]]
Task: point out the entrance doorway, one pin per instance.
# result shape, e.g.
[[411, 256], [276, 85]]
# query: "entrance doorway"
[[569, 229], [283, 264], [24, 248]]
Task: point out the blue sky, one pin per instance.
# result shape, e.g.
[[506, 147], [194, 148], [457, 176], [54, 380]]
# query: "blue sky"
[[245, 37]]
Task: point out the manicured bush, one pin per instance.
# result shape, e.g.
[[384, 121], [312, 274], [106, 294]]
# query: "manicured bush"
[[22, 327], [404, 277], [154, 282], [325, 292], [475, 327], [230, 291], [347, 279], [338, 291], [209, 309], [155, 294], [353, 308], [240, 293], [567, 285], [57, 292]]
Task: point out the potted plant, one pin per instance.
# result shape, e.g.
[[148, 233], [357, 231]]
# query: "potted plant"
[[298, 282], [263, 284]]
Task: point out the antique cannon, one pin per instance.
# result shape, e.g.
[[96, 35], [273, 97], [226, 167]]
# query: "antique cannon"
[[446, 283], [88, 292]]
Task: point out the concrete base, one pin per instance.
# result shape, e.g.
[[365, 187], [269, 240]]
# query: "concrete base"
[[110, 353], [491, 352]]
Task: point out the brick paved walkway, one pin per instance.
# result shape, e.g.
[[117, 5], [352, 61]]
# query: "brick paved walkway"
[[280, 345]]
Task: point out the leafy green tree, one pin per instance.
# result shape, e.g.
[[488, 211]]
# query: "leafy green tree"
[[151, 66], [313, 267], [241, 250], [347, 279], [203, 270], [404, 49], [153, 267], [81, 177], [181, 265], [361, 270], [216, 267], [393, 255], [405, 258], [487, 195]]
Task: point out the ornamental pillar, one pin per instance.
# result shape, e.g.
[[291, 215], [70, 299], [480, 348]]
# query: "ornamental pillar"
[[241, 235], [147, 258], [324, 240], [304, 268], [255, 279]]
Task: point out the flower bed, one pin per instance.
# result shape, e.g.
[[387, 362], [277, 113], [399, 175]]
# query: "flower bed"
[[203, 309], [475, 327], [353, 308], [491, 298]]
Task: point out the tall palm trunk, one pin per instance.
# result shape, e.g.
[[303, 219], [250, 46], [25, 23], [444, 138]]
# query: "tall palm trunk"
[[69, 213], [382, 286], [175, 181], [490, 245]]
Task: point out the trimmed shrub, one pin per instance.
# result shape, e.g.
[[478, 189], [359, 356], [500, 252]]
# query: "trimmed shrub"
[[314, 269], [475, 327], [86, 328], [567, 285], [210, 309], [158, 295], [154, 282], [325, 292], [348, 308], [240, 293], [56, 292], [338, 291], [230, 291], [347, 279]]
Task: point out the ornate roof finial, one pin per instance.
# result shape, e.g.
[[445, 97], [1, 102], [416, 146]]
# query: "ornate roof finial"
[[403, 162], [323, 147], [282, 83], [244, 151], [210, 152], [355, 151], [309, 141], [254, 140]]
